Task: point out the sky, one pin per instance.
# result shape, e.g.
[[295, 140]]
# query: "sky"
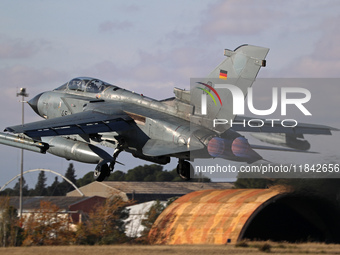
[[152, 46]]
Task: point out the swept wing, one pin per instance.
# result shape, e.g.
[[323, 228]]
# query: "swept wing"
[[88, 122]]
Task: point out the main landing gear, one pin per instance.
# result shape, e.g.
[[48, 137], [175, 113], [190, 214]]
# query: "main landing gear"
[[104, 170], [185, 169]]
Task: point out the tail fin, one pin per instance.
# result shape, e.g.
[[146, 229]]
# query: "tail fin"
[[210, 99]]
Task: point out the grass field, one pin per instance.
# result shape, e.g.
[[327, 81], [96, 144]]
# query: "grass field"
[[251, 248]]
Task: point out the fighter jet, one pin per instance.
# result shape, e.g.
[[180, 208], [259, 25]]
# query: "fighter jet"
[[86, 112]]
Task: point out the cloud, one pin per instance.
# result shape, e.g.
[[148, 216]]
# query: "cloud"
[[164, 67], [153, 74], [147, 67], [309, 66], [24, 76], [19, 48], [324, 60], [328, 45], [232, 18], [131, 8], [176, 65], [110, 26]]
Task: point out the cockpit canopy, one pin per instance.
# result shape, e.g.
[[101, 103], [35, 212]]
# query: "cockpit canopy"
[[86, 84]]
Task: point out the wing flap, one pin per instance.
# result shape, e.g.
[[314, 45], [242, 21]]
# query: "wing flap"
[[88, 122]]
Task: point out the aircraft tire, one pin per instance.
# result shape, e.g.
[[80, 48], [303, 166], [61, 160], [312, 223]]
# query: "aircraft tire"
[[101, 172], [184, 168]]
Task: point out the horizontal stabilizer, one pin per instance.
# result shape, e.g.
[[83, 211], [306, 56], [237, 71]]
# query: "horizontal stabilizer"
[[272, 148], [155, 147], [266, 126]]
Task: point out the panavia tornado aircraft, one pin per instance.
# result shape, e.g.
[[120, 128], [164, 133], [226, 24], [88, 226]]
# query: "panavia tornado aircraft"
[[85, 112]]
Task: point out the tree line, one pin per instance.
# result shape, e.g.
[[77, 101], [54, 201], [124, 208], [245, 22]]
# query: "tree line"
[[57, 188], [145, 173]]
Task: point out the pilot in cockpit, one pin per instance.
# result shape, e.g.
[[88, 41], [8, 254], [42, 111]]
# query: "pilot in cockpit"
[[92, 87]]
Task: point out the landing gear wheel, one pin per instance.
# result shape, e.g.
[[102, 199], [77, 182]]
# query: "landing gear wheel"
[[101, 172], [185, 169]]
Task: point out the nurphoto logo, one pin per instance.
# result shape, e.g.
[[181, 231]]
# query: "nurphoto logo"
[[288, 96]]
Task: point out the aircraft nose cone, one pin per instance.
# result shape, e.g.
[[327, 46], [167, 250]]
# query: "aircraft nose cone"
[[34, 103]]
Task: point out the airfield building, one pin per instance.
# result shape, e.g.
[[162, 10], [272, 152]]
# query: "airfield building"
[[146, 191]]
